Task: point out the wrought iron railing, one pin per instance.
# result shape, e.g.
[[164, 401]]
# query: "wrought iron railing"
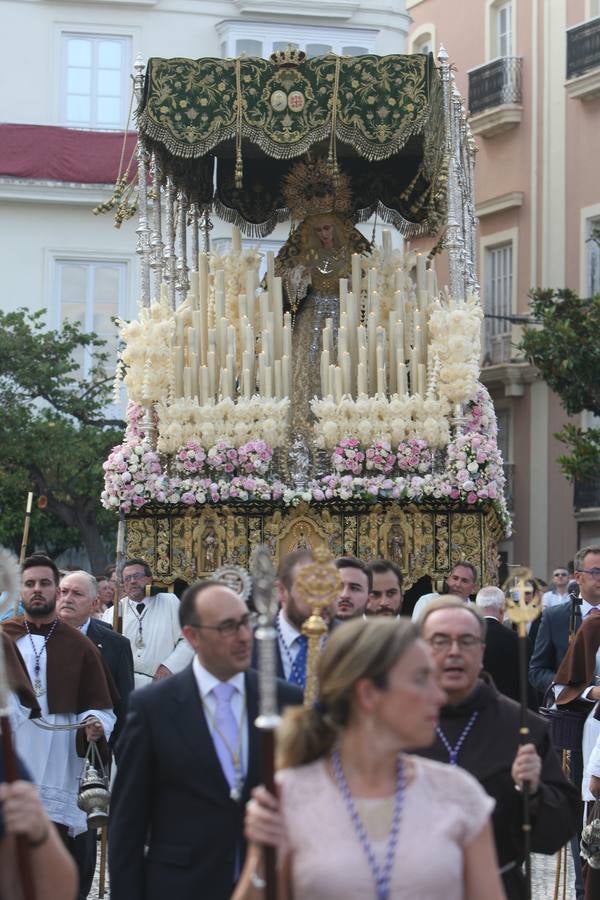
[[583, 48], [587, 493], [495, 84]]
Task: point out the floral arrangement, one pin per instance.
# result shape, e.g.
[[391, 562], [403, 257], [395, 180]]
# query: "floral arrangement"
[[190, 460], [414, 455], [146, 360], [372, 419], [185, 420], [455, 339], [348, 457], [380, 458]]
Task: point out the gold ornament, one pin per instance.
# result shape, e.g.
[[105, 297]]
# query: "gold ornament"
[[311, 187]]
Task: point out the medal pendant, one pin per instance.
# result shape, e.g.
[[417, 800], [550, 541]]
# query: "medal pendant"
[[37, 688], [139, 642], [235, 794]]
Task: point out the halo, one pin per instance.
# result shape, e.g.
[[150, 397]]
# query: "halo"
[[312, 187]]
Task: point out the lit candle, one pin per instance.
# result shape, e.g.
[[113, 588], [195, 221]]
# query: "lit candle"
[[431, 283], [362, 379]]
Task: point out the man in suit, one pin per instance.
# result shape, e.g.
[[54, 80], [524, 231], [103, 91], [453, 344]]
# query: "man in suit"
[[77, 595], [189, 757], [501, 652], [553, 636]]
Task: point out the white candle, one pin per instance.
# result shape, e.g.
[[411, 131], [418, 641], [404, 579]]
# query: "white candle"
[[278, 379], [421, 277], [372, 351], [381, 381], [287, 340], [277, 317], [268, 382], [414, 369], [386, 242], [246, 387], [356, 275], [212, 372], [195, 381], [204, 388], [285, 376], [261, 374], [250, 296], [346, 374], [203, 279], [343, 293], [401, 378], [431, 284], [362, 379], [187, 383], [264, 310], [179, 330], [191, 342], [178, 366], [194, 291], [421, 379], [324, 373], [331, 384], [236, 240], [338, 383], [243, 306]]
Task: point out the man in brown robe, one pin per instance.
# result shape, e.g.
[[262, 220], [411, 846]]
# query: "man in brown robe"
[[479, 730], [72, 690]]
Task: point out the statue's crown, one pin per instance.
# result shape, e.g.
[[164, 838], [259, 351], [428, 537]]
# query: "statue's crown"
[[291, 56]]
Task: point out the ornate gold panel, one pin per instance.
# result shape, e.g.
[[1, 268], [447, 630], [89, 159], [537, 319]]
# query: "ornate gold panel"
[[188, 544]]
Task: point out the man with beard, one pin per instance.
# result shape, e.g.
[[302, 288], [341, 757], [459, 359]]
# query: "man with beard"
[[385, 596], [149, 622], [479, 730], [70, 684], [292, 645], [354, 592]]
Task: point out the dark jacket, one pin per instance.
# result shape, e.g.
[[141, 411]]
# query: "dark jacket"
[[551, 645], [116, 652], [501, 661], [171, 797]]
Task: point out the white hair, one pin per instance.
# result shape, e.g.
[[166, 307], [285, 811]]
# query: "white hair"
[[92, 583], [490, 597]]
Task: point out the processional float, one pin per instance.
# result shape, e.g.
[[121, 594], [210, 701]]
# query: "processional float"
[[367, 429]]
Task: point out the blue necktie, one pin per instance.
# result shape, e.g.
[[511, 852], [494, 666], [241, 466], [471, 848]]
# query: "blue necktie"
[[298, 673]]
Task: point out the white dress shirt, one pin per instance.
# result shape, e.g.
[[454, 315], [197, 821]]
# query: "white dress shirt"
[[206, 681]]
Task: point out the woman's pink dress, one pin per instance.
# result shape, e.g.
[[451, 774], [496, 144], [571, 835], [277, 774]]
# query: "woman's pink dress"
[[444, 809]]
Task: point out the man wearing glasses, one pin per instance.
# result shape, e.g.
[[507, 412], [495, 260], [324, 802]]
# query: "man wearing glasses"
[[479, 730], [559, 593], [151, 623], [189, 757], [553, 637]]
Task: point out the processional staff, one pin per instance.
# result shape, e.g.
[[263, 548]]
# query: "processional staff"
[[24, 542], [9, 580], [266, 603], [318, 584], [522, 613], [119, 560]]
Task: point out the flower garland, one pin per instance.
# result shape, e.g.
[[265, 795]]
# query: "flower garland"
[[370, 419], [185, 420], [455, 339], [146, 359]]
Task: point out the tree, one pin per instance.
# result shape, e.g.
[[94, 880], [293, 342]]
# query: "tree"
[[54, 435], [565, 347]]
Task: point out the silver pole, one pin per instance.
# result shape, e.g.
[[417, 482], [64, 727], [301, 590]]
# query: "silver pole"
[[143, 230]]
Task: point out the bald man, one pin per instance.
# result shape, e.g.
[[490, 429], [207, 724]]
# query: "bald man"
[[189, 757]]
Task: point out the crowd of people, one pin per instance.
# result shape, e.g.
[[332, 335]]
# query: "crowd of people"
[[404, 779]]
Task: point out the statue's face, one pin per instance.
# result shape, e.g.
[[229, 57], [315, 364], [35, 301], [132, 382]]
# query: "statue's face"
[[325, 233]]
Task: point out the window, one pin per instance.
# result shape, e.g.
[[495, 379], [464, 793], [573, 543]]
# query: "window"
[[262, 38], [594, 9], [592, 257], [498, 302], [423, 44], [92, 293], [503, 15], [95, 86]]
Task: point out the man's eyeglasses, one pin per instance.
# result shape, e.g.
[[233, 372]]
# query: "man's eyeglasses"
[[445, 641], [230, 627], [595, 572], [135, 576]]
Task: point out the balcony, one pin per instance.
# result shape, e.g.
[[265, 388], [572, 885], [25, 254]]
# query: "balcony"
[[583, 60], [495, 96], [587, 495]]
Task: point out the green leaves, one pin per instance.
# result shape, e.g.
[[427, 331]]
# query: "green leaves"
[[54, 433], [565, 347]]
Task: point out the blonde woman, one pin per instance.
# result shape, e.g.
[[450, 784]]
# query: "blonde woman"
[[357, 818]]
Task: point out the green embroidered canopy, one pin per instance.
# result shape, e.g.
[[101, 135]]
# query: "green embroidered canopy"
[[380, 117]]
